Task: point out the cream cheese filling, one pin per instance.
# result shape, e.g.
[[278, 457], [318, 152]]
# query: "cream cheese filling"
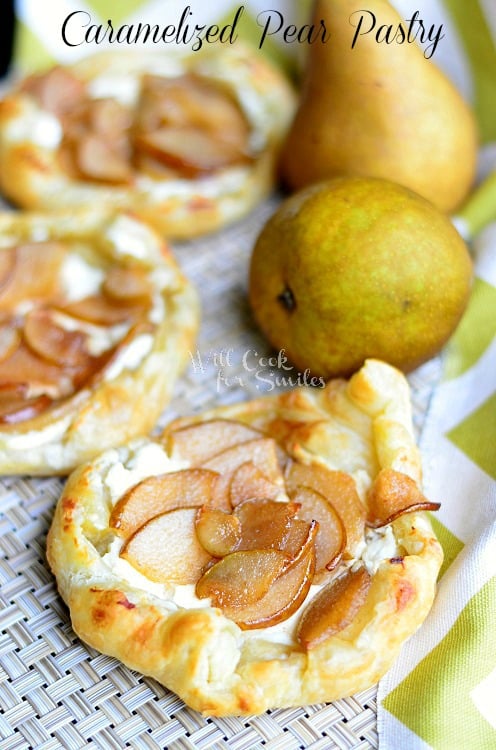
[[79, 278], [34, 125], [35, 438], [130, 238]]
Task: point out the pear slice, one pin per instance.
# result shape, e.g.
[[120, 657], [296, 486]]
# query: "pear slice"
[[57, 90], [187, 488], [16, 406], [333, 608], [283, 598], [339, 490], [7, 265], [264, 523], [147, 165], [35, 274], [166, 548], [10, 339], [190, 100], [297, 537], [54, 343], [218, 532], [108, 118], [330, 541], [24, 366], [242, 577], [393, 494], [200, 441], [127, 285], [248, 483], [101, 310], [262, 452], [188, 150], [97, 159]]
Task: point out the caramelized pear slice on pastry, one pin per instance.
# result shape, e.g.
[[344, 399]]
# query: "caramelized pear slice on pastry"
[[187, 488], [265, 524], [250, 483], [166, 548], [330, 541], [128, 285], [17, 406], [10, 338], [57, 91], [218, 532], [393, 494], [283, 598], [34, 272], [333, 608], [201, 441], [340, 492], [97, 159], [241, 577], [53, 342]]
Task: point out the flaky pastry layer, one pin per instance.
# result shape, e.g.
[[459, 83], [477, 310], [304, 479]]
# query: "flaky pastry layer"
[[359, 426]]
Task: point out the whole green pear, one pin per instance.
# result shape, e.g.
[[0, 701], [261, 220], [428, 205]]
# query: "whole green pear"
[[379, 109], [354, 268]]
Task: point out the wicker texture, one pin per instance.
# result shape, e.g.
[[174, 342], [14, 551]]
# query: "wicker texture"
[[57, 693]]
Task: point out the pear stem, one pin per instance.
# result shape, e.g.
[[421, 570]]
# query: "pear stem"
[[479, 210]]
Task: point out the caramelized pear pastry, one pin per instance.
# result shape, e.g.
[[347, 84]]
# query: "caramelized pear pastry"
[[188, 143], [96, 321], [273, 553]]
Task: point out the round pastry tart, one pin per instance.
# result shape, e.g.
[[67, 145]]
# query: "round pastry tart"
[[188, 143], [269, 554], [96, 320]]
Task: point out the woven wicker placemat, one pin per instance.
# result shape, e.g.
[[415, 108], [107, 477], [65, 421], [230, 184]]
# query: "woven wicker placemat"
[[55, 692]]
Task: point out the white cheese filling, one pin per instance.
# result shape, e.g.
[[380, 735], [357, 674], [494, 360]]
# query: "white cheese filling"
[[34, 125], [35, 438], [100, 338], [150, 459], [130, 357], [123, 88], [79, 278], [131, 238]]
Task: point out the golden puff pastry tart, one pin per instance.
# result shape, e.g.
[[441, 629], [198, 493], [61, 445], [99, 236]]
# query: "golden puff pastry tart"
[[96, 320], [188, 143], [268, 554]]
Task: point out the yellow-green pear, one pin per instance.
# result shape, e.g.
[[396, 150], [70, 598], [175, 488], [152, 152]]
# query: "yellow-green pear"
[[354, 268], [372, 104]]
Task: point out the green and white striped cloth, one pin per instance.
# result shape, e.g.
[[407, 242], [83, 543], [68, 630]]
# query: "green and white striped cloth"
[[441, 694]]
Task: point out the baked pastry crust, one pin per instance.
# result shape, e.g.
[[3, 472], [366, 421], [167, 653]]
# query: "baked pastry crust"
[[125, 396], [31, 174], [358, 426]]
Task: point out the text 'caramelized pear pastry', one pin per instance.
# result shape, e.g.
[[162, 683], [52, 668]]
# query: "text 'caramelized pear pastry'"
[[188, 144], [269, 554], [95, 323]]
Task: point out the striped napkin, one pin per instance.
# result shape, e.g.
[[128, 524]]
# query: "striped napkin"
[[441, 693]]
